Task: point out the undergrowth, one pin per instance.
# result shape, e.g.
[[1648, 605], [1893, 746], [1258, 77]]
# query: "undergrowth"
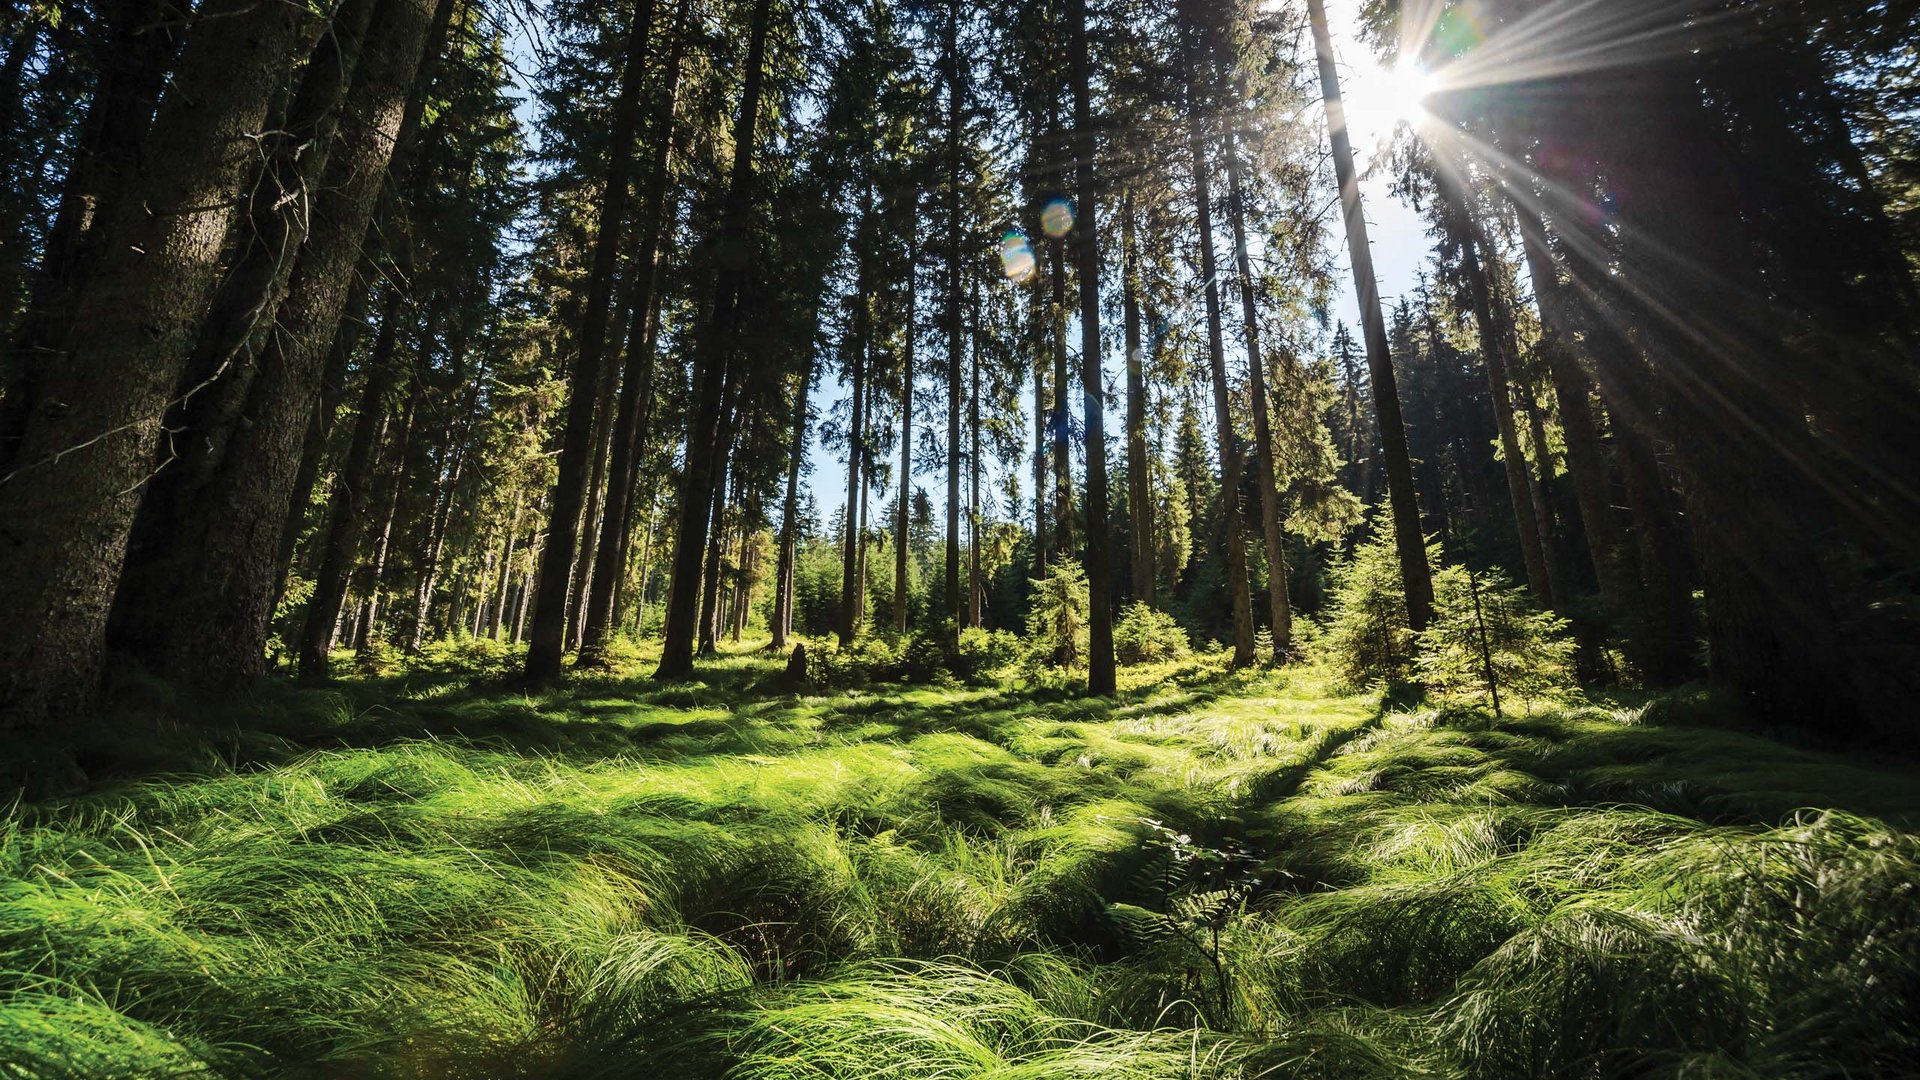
[[1246, 875]]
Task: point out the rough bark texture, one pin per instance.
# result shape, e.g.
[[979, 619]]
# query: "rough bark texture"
[[87, 446], [202, 611]]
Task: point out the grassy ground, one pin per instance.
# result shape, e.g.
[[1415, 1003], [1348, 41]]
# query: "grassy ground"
[[1215, 876]]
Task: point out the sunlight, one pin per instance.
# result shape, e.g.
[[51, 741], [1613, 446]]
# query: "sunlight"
[[1379, 100]]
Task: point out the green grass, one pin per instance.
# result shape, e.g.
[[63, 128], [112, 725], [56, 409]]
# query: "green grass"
[[428, 875]]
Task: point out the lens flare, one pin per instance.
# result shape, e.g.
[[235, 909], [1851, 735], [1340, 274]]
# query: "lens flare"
[[1056, 217], [1016, 256]]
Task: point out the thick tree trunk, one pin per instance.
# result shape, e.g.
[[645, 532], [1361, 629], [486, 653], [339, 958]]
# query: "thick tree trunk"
[[1416, 577], [544, 654], [1139, 478], [1229, 446], [224, 545], [86, 448], [676, 655], [1278, 609], [141, 39]]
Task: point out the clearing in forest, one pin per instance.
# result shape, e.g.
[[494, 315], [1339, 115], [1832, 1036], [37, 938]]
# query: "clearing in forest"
[[1215, 875]]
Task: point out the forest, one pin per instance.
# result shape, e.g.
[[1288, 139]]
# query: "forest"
[[937, 539]]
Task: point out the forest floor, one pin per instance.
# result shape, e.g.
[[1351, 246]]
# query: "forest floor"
[[1216, 875]]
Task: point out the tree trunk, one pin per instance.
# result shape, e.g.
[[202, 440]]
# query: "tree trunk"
[[351, 498], [1060, 422], [1606, 541], [141, 39], [904, 506], [1235, 533], [1036, 312], [976, 596], [577, 446], [581, 578], [1279, 610], [1139, 480], [790, 514], [1100, 663], [203, 605], [850, 582], [636, 383], [1496, 354], [86, 449], [1416, 577], [676, 655], [951, 612]]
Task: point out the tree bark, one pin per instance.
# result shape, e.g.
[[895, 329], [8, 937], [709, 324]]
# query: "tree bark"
[[790, 514], [1496, 354], [904, 506], [1410, 544], [86, 448], [951, 613], [350, 499], [1586, 464], [1139, 480], [544, 654], [1278, 609], [676, 656], [1100, 662], [1235, 533], [224, 545]]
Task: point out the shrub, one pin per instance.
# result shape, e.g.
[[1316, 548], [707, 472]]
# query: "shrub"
[[1487, 638], [1145, 635], [983, 651], [1057, 622], [1367, 636]]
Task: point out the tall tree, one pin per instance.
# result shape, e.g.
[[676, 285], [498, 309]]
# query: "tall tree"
[[576, 449], [1198, 137], [1416, 576], [704, 445]]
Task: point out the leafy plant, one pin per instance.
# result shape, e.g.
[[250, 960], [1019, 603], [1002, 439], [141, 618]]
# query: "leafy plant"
[[1488, 639], [1145, 635], [1057, 621]]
